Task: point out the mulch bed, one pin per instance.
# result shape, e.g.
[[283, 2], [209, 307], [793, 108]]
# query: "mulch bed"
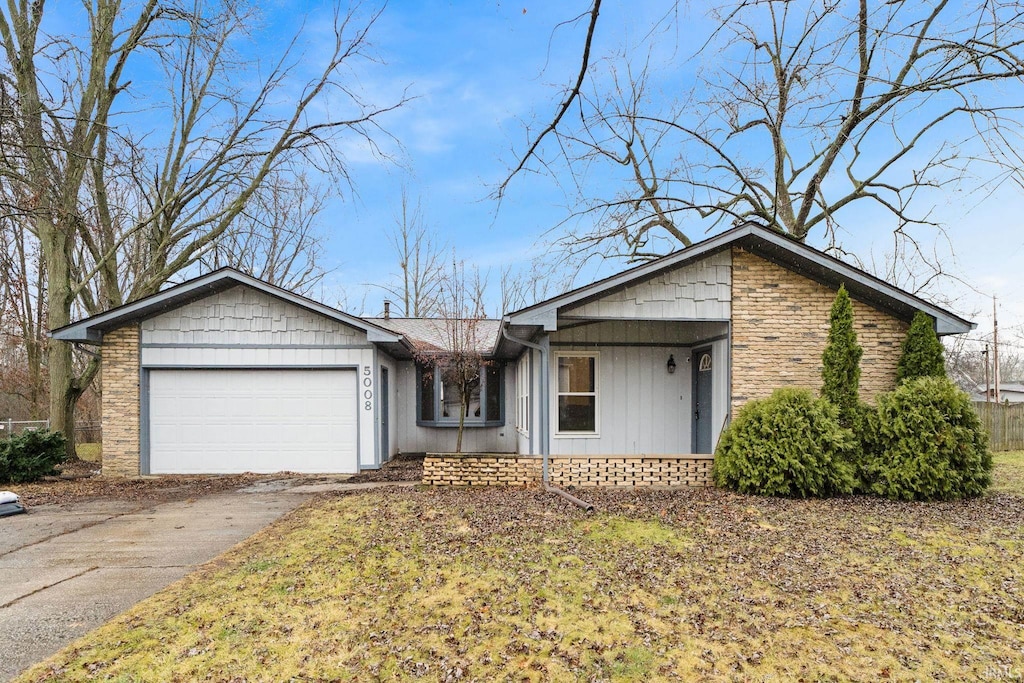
[[405, 467], [61, 491]]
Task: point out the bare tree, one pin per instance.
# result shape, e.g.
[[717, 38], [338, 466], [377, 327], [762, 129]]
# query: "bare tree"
[[798, 111], [23, 313], [459, 359], [223, 142], [276, 237], [421, 271], [541, 279], [966, 360]]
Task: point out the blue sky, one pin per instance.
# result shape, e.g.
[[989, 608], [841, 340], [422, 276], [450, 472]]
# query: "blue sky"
[[480, 73]]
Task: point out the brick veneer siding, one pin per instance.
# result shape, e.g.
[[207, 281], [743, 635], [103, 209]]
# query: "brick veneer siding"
[[120, 378], [441, 469], [780, 326]]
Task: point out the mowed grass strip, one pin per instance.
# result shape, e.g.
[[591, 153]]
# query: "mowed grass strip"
[[514, 585], [1008, 473]]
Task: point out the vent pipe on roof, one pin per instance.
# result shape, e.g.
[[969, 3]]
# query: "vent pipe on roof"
[[387, 309]]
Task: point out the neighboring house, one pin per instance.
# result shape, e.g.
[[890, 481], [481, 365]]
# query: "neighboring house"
[[627, 380], [1009, 392]]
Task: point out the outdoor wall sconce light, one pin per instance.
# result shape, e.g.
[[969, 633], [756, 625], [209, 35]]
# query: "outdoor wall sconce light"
[[671, 365]]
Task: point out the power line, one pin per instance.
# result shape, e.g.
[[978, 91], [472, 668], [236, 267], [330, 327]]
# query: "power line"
[[1003, 344]]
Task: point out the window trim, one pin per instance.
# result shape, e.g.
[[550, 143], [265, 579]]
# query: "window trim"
[[557, 433], [468, 423], [523, 380]]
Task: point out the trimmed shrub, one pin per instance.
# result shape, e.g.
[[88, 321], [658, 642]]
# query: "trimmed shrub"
[[864, 427], [789, 444], [31, 455], [840, 363], [921, 352], [927, 443]]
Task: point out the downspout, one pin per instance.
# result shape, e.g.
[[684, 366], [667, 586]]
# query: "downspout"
[[545, 422]]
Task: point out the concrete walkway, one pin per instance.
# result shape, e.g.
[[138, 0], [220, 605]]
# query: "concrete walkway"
[[65, 570]]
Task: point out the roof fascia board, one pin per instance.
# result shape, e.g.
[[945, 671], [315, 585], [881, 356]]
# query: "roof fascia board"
[[946, 323], [88, 329], [545, 312], [540, 311]]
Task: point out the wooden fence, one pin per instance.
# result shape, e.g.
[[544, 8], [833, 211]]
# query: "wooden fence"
[[1004, 423]]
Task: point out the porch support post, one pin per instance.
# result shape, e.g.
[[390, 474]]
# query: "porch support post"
[[544, 429], [545, 402]]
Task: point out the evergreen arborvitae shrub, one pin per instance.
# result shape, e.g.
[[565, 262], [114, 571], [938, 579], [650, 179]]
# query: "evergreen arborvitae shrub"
[[789, 444], [921, 352], [31, 455], [840, 363], [927, 444]]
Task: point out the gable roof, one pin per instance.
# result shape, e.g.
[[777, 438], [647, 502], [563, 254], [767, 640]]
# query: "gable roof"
[[431, 334], [772, 246], [91, 329]]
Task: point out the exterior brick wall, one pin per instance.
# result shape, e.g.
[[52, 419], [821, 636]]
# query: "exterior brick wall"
[[780, 326], [120, 377], [443, 469]]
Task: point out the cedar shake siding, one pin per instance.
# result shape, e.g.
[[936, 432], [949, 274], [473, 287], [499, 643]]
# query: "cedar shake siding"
[[780, 326], [120, 401]]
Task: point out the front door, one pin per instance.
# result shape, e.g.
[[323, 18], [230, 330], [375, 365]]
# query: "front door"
[[701, 364]]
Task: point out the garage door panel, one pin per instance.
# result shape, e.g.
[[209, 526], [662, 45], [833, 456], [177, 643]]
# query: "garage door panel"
[[222, 421]]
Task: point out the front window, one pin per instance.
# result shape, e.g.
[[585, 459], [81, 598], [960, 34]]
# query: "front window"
[[577, 393], [451, 395], [440, 396]]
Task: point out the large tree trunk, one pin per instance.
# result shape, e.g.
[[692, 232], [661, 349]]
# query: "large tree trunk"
[[63, 387]]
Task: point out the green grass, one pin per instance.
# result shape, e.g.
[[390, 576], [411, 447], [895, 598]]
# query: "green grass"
[[513, 585], [1008, 473]]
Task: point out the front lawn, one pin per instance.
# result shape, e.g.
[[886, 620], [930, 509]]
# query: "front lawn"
[[1008, 473], [517, 585]]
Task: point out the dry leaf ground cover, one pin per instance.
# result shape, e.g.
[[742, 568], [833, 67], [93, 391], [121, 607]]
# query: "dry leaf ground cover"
[[517, 585]]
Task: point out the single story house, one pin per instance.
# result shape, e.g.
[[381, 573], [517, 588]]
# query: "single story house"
[[628, 380]]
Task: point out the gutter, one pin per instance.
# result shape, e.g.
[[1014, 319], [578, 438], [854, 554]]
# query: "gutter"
[[545, 422]]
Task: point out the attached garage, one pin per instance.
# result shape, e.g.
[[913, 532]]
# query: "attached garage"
[[217, 421], [226, 374]]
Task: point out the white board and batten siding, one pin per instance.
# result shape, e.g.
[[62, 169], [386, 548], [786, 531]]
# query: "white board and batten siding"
[[248, 331], [413, 438], [696, 291], [642, 409]]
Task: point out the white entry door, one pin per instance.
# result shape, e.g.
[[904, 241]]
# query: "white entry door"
[[252, 420]]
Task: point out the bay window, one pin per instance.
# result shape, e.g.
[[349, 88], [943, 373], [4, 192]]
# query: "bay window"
[[440, 399]]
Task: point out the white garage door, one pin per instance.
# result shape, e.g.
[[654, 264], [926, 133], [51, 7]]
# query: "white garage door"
[[222, 421]]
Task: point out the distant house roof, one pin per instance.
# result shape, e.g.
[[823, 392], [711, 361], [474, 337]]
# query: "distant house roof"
[[432, 334], [91, 329], [770, 245], [1008, 391]]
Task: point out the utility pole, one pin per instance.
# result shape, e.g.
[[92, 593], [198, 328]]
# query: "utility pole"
[[988, 385], [995, 348]]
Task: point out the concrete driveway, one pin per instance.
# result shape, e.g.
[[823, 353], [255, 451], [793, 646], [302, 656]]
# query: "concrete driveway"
[[66, 569]]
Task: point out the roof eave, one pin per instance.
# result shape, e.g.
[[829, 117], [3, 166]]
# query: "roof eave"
[[544, 314], [91, 329]]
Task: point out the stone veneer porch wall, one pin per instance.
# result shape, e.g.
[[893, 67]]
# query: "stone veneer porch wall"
[[449, 469], [120, 402], [780, 326]]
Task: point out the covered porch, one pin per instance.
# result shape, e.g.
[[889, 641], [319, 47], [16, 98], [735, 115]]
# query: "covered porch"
[[605, 387]]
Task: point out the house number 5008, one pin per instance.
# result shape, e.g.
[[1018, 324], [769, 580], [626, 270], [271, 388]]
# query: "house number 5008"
[[367, 388]]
